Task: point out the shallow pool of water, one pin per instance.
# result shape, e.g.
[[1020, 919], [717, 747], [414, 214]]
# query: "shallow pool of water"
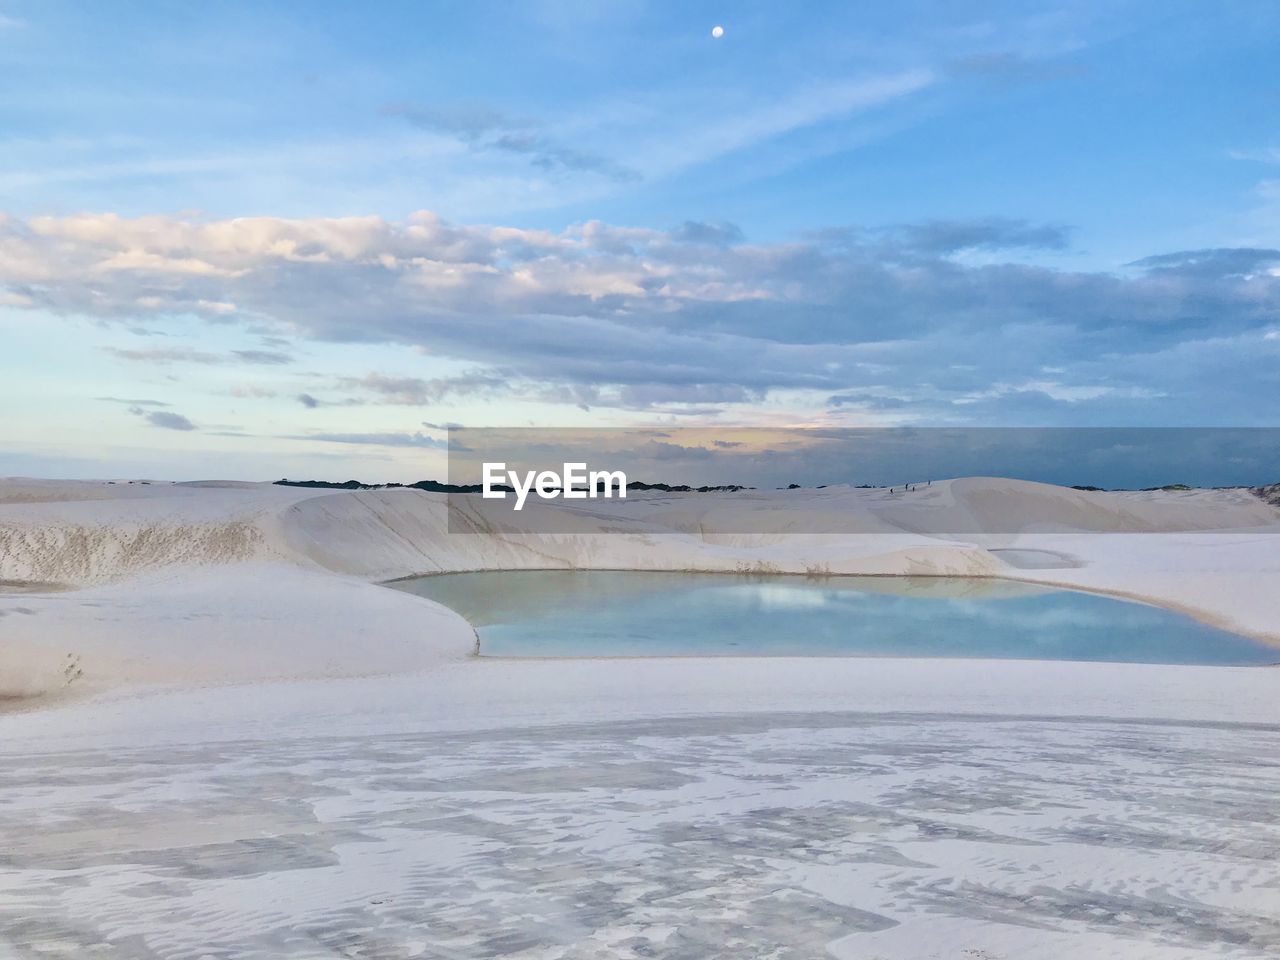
[[557, 613]]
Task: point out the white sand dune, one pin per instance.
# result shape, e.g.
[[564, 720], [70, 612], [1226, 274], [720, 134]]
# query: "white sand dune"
[[213, 582], [223, 737]]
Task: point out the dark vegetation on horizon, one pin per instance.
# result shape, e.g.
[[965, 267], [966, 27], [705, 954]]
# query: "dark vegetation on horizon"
[[435, 486], [1269, 492]]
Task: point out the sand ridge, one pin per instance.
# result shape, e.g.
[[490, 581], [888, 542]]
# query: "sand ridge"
[[220, 582], [259, 751]]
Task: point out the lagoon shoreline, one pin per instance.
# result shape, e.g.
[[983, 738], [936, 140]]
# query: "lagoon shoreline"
[[163, 584], [223, 728]]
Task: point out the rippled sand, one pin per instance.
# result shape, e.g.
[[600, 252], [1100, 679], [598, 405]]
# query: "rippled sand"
[[233, 743], [781, 835]]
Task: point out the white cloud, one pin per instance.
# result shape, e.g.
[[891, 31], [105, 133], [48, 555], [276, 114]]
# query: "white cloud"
[[737, 125], [599, 314]]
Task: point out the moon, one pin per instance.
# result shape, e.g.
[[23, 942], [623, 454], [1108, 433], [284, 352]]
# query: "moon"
[[717, 31]]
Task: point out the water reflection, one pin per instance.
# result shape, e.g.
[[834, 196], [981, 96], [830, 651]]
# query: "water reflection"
[[613, 613]]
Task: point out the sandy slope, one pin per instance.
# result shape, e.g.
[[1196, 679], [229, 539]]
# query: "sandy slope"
[[227, 582], [259, 752]]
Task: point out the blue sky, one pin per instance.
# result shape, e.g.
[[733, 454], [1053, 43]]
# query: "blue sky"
[[263, 239]]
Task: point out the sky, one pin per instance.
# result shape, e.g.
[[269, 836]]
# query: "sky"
[[268, 239]]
